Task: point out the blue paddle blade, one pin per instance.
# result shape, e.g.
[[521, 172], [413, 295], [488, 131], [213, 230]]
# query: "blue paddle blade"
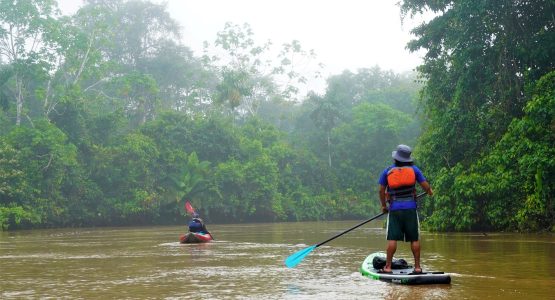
[[295, 258]]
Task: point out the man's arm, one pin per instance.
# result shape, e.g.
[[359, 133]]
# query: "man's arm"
[[382, 198], [426, 187]]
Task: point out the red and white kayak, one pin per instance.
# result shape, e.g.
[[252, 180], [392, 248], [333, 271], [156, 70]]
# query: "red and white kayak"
[[195, 237]]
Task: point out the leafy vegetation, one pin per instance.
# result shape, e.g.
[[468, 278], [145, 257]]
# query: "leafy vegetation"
[[488, 107]]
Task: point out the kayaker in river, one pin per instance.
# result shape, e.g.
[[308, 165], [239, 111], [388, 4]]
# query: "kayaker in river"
[[197, 225], [398, 187]]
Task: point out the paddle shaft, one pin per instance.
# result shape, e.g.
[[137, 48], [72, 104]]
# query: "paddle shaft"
[[358, 225], [352, 228]]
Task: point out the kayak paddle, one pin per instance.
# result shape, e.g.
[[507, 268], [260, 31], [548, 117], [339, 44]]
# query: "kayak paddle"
[[298, 256], [189, 208]]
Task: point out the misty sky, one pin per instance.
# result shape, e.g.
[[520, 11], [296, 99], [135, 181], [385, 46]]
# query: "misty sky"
[[348, 34]]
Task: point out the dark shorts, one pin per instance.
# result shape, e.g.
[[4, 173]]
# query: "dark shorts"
[[403, 225]]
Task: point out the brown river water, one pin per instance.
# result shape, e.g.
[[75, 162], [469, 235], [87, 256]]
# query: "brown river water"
[[246, 262]]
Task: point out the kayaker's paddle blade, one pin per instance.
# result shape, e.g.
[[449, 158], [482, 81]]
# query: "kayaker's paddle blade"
[[189, 208], [295, 258]]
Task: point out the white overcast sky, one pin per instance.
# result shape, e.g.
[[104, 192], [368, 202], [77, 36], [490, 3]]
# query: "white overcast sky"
[[345, 34]]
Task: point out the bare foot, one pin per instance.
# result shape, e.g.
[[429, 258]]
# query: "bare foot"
[[385, 271]]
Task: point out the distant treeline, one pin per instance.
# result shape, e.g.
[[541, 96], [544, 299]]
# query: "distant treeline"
[[108, 119]]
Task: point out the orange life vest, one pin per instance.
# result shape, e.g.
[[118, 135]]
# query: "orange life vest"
[[401, 182]]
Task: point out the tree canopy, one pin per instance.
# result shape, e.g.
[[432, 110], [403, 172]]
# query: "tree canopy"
[[486, 62]]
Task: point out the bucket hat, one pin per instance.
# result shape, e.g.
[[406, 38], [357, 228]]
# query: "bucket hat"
[[402, 153]]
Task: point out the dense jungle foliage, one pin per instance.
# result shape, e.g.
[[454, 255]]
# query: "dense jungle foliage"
[[488, 103], [107, 118]]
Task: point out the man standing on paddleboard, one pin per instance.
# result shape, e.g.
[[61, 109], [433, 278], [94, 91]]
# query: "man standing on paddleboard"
[[398, 187]]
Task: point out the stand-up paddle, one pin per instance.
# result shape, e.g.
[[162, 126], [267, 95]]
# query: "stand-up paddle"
[[298, 256]]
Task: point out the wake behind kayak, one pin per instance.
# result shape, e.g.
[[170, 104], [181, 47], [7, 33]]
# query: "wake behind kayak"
[[401, 275]]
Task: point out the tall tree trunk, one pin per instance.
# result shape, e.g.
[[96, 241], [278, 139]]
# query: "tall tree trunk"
[[19, 99], [329, 149]]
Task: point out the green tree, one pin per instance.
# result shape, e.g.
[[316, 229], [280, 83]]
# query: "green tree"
[[364, 145], [326, 116], [511, 187], [481, 58], [127, 174], [26, 45], [250, 75], [193, 178], [130, 58], [45, 158], [14, 187], [478, 57]]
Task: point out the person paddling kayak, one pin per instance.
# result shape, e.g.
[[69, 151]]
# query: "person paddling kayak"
[[397, 186], [197, 229], [197, 225]]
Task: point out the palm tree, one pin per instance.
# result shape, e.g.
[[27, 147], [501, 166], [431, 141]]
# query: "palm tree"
[[192, 179]]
